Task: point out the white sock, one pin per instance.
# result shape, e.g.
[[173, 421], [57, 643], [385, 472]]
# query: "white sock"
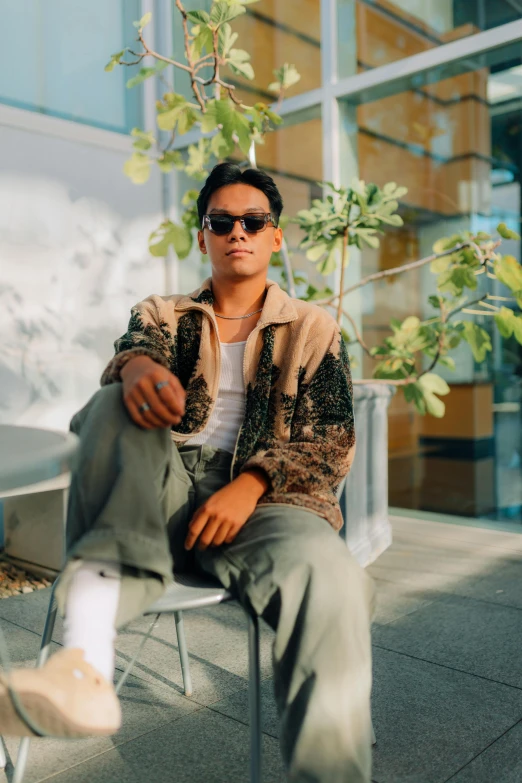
[[90, 613]]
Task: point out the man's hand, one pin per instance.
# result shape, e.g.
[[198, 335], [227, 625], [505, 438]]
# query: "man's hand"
[[222, 516], [166, 405]]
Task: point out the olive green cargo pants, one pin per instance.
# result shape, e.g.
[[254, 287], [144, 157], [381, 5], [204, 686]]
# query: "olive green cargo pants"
[[132, 496]]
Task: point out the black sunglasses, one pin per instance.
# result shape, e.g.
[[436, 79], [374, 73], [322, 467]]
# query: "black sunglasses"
[[224, 224]]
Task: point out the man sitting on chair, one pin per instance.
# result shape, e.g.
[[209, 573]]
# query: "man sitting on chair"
[[217, 443]]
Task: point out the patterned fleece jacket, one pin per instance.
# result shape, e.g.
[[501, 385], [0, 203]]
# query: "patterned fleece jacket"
[[298, 427]]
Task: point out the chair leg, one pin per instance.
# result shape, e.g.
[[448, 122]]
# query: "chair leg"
[[45, 648], [135, 657], [3, 757], [183, 653], [254, 698]]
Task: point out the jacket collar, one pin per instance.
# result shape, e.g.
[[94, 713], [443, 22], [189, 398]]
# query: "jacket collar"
[[277, 309]]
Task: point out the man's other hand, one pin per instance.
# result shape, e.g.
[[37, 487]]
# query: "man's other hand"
[[166, 405], [221, 517]]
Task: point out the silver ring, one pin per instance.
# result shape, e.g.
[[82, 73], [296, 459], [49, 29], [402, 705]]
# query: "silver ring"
[[144, 407], [160, 385]]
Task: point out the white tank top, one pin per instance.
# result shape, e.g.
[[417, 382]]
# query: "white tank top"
[[229, 411]]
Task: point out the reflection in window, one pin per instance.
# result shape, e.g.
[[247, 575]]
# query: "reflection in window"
[[457, 146], [383, 31]]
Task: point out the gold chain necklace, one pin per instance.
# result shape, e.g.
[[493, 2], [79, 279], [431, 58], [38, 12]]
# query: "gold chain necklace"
[[237, 317]]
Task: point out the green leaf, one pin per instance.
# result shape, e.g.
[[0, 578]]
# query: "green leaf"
[[202, 41], [190, 197], [146, 73], [209, 118], [509, 323], [198, 17], [286, 76], [504, 322], [223, 12], [413, 393], [411, 322], [137, 168], [143, 140], [272, 116], [234, 123], [220, 147], [307, 216], [143, 73], [434, 301], [197, 159], [455, 279], [170, 111], [509, 272], [478, 340], [447, 361], [392, 220], [507, 233], [434, 405], [434, 383], [187, 119], [143, 21], [115, 60], [370, 239], [315, 252], [239, 62], [169, 234], [440, 265], [171, 159], [389, 188]]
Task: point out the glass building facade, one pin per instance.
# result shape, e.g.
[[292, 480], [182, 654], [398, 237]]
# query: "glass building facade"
[[426, 93]]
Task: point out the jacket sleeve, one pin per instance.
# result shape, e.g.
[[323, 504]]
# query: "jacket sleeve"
[[322, 435], [146, 335]]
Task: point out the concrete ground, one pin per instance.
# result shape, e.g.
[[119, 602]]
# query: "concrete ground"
[[447, 698]]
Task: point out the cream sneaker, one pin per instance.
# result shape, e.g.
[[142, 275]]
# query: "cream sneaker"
[[66, 697]]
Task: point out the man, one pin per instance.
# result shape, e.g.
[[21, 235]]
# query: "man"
[[218, 441]]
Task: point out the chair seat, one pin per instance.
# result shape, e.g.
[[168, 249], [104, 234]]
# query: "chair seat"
[[189, 591]]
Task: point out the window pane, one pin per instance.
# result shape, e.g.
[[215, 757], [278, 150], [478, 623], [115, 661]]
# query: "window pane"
[[293, 156], [383, 31], [58, 51], [457, 146]]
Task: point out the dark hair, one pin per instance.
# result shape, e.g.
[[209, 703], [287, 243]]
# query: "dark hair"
[[231, 174]]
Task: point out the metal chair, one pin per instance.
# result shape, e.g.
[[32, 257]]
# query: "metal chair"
[[187, 592]]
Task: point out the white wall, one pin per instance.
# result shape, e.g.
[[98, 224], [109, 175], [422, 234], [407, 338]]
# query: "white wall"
[[73, 260]]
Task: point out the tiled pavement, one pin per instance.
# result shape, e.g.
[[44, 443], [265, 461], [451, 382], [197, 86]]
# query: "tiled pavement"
[[447, 698]]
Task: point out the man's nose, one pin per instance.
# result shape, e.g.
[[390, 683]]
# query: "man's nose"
[[237, 233]]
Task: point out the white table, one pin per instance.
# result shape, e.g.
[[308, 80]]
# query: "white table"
[[30, 456], [34, 479], [33, 461]]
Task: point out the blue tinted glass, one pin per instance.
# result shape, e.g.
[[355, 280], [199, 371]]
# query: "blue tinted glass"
[[58, 50]]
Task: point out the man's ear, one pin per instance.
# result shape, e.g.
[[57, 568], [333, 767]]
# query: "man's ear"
[[278, 240], [201, 242]]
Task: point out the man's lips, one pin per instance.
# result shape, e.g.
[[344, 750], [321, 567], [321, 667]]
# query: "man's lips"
[[238, 251]]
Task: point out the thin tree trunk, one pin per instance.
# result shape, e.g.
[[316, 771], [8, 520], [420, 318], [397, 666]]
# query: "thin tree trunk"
[[341, 284], [284, 249]]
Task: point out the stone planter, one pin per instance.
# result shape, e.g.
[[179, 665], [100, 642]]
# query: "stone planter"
[[364, 500]]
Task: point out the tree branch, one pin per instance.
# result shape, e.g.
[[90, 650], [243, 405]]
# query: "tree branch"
[[158, 56], [395, 271], [358, 335], [190, 68]]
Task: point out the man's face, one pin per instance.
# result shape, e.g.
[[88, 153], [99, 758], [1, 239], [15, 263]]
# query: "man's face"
[[239, 255]]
